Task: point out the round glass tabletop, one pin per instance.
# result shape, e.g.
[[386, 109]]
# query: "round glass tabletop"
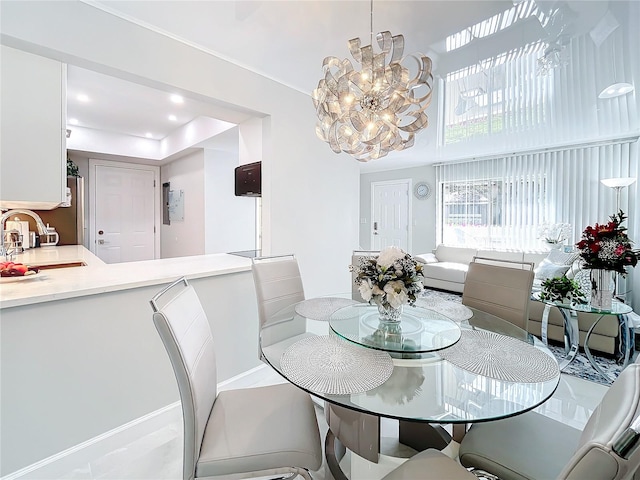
[[495, 369], [419, 330]]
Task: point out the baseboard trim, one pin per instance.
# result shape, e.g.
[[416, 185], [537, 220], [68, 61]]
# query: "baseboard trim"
[[224, 384], [92, 441], [122, 428]]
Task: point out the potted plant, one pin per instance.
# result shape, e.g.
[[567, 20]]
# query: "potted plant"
[[606, 249], [561, 290]]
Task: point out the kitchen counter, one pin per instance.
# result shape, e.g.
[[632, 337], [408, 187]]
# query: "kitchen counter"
[[98, 277], [80, 355]]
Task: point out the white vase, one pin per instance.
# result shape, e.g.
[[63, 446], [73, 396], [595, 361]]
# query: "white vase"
[[601, 289], [554, 245]]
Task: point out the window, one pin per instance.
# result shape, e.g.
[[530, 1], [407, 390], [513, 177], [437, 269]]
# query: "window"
[[503, 202], [471, 211]]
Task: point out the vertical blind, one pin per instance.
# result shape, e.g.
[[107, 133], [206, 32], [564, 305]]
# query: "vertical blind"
[[503, 202], [521, 150]]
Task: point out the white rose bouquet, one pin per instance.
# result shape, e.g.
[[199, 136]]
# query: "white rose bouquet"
[[392, 278]]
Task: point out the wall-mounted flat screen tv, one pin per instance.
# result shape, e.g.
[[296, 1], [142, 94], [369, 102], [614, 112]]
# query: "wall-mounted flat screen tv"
[[249, 180]]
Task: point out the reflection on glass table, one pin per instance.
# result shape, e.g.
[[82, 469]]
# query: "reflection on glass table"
[[569, 314], [419, 331], [510, 372]]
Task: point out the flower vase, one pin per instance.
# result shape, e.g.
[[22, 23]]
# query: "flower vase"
[[554, 245], [601, 289], [387, 313]]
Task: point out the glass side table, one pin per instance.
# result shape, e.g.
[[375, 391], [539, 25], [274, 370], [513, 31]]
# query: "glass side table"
[[571, 331], [570, 315], [626, 329]]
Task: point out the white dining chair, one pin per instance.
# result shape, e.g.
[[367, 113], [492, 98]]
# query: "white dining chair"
[[430, 464], [278, 289], [532, 446], [233, 434], [278, 284], [501, 290]]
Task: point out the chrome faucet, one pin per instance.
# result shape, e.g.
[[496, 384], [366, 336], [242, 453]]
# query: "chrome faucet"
[[42, 228]]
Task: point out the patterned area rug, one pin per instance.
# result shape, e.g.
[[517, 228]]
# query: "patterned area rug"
[[580, 367]]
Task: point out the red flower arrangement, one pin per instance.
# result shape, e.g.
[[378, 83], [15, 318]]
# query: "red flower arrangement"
[[607, 246]]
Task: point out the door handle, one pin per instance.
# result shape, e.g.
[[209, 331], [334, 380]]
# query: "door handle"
[[102, 242]]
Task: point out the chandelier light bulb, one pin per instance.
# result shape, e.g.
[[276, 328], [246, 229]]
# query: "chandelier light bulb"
[[376, 110]]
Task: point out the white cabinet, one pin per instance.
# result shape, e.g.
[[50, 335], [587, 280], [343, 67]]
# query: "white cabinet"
[[33, 130]]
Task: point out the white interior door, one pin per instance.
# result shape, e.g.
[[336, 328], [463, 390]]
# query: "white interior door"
[[390, 213], [124, 221]]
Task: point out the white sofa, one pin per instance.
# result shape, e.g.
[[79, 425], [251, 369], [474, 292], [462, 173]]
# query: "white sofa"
[[446, 268]]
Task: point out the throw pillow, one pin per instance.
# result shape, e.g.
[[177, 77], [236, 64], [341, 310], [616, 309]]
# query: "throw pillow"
[[562, 258], [548, 269], [426, 258]]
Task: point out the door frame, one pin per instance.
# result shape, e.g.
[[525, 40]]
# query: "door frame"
[[409, 183], [93, 163]]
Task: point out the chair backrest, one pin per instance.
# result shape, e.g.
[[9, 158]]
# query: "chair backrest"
[[595, 456], [186, 334], [356, 256], [278, 284], [502, 291]]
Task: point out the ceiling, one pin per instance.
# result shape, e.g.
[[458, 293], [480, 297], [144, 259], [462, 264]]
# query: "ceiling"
[[287, 42]]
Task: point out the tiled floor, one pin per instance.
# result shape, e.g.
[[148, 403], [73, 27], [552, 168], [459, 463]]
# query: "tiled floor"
[[156, 454]]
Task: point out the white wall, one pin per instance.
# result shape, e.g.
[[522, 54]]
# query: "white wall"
[[185, 237], [310, 195], [250, 139], [423, 215], [74, 369], [230, 223]]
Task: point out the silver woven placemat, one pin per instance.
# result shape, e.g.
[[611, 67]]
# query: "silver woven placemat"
[[453, 310], [322, 308], [328, 365], [501, 357]]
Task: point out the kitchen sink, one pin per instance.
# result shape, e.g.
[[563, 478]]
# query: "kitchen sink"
[[49, 266]]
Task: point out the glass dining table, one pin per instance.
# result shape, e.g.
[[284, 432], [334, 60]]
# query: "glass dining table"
[[427, 370]]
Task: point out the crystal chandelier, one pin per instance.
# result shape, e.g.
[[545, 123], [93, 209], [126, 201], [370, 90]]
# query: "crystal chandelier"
[[378, 109]]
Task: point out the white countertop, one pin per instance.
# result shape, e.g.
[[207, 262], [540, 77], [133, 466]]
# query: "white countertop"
[[98, 277]]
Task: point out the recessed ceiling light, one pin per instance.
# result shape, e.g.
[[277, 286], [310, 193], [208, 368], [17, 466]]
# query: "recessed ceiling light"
[[173, 118], [148, 135], [177, 99], [73, 121], [82, 97]]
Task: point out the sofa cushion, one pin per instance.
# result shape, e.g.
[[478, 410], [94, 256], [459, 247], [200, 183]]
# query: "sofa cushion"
[[447, 271], [445, 253], [548, 269], [534, 257], [561, 258], [426, 258], [511, 256], [502, 258]]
